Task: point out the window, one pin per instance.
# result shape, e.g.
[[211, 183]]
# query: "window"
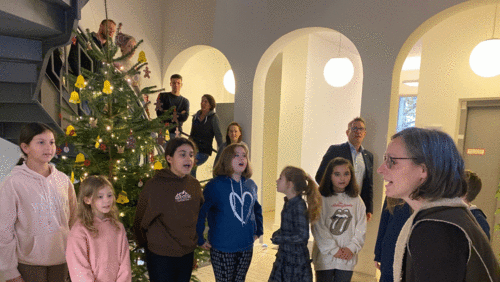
[[407, 112]]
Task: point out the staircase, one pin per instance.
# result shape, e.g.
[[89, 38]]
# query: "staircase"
[[30, 30]]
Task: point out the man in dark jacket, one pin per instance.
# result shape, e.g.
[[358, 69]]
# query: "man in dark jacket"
[[107, 29], [166, 100], [361, 159]]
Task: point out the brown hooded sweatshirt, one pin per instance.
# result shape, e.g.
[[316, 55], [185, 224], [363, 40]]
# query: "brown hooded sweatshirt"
[[167, 212]]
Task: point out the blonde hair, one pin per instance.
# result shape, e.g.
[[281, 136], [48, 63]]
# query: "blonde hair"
[[304, 184], [224, 165], [89, 188]]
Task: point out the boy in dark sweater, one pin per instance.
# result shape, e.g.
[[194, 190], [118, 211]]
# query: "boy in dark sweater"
[[166, 100], [473, 188]]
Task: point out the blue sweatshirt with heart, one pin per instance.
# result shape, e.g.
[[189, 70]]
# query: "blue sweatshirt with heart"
[[233, 212]]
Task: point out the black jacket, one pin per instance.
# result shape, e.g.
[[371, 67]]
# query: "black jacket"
[[204, 131], [344, 151]]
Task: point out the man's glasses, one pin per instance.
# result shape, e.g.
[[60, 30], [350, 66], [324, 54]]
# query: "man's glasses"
[[389, 161], [360, 129]]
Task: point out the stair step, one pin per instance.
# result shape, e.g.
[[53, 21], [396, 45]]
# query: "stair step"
[[18, 72], [20, 49], [16, 92], [24, 113]]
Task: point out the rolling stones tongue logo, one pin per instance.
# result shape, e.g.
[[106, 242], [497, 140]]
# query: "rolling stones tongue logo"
[[340, 221]]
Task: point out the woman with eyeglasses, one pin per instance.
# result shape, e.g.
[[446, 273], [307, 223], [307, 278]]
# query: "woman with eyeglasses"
[[441, 241]]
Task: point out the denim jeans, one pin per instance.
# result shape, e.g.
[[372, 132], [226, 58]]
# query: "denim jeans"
[[169, 269], [333, 275]]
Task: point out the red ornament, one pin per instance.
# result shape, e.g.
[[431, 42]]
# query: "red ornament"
[[58, 151], [73, 40], [103, 147], [71, 133], [86, 162]]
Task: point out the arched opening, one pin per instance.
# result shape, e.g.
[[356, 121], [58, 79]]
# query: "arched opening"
[[297, 113], [446, 86], [203, 69]]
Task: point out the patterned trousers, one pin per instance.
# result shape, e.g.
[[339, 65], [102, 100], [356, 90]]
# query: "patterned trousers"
[[230, 267]]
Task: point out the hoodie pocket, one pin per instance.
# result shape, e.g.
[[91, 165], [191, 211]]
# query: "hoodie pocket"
[[47, 249]]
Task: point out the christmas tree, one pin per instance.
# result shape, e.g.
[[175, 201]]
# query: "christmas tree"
[[117, 138]]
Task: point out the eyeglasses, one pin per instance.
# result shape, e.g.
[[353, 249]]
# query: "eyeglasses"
[[361, 129], [389, 161]]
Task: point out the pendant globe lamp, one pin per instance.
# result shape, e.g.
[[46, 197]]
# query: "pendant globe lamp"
[[339, 71], [484, 59]]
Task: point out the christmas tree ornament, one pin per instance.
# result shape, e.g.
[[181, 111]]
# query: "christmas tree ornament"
[[167, 136], [70, 130], [107, 87], [151, 157], [86, 162], [72, 177], [147, 72], [103, 147], [58, 151], [66, 148], [140, 184], [177, 132], [158, 165], [93, 122], [75, 98], [73, 40], [121, 149], [131, 142], [122, 198], [142, 57], [160, 139], [159, 105], [80, 82], [97, 142], [80, 158]]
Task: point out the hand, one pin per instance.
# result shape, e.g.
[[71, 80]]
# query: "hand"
[[17, 279], [346, 254], [368, 216], [183, 112], [377, 265], [338, 254], [206, 246]]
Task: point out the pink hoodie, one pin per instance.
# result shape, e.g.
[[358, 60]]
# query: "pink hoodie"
[[105, 258], [35, 216]]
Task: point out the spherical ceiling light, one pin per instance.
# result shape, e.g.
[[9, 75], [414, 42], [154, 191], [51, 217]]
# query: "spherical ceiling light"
[[338, 72], [229, 82], [485, 58]]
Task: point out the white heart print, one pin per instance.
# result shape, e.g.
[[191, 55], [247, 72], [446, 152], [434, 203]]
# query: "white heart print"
[[240, 215]]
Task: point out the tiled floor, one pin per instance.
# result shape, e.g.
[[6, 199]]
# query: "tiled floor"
[[263, 259]]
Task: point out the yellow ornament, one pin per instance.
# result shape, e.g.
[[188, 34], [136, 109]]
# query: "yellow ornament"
[[122, 198], [70, 130], [158, 165], [97, 142], [107, 87], [75, 98], [80, 158], [142, 57], [72, 177], [80, 82], [167, 136]]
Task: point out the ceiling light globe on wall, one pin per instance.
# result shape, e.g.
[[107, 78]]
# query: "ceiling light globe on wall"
[[484, 59], [338, 72], [229, 82]]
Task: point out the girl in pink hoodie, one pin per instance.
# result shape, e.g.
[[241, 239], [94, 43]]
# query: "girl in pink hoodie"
[[98, 248], [37, 207]]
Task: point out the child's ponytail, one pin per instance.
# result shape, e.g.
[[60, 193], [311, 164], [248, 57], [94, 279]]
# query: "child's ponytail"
[[305, 184], [313, 199]]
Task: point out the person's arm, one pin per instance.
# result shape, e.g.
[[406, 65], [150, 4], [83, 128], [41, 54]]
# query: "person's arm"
[[439, 252], [358, 240], [142, 205], [8, 217], [217, 133], [183, 112], [321, 232], [300, 228], [77, 255], [324, 162], [72, 204], [257, 209], [125, 271], [382, 228], [202, 216]]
